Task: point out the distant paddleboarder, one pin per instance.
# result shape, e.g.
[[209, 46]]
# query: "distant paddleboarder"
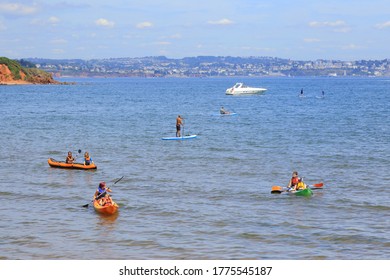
[[223, 111]]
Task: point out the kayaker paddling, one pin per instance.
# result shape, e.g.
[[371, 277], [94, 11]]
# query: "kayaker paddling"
[[102, 201], [101, 194], [296, 183], [223, 111], [297, 187]]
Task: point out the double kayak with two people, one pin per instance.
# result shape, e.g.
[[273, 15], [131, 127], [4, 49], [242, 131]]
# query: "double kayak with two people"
[[62, 164], [308, 191]]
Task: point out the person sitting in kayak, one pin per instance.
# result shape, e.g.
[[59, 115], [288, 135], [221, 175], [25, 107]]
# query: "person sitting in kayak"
[[70, 159], [101, 194], [223, 111], [87, 159], [296, 183], [179, 123], [105, 200]]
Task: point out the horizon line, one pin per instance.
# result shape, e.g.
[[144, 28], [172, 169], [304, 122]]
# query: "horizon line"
[[202, 56]]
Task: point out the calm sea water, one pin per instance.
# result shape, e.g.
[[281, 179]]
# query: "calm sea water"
[[207, 198]]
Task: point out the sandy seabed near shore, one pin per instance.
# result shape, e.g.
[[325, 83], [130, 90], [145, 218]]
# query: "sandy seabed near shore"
[[9, 83]]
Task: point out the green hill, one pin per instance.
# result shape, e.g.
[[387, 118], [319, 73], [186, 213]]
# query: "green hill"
[[19, 73]]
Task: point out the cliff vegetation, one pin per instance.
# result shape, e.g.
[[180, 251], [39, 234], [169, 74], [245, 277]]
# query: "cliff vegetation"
[[12, 72]]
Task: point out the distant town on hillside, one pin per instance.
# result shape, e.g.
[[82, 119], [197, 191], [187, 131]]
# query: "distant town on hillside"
[[210, 66]]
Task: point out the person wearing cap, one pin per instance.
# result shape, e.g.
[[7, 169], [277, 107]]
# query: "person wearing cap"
[[101, 194]]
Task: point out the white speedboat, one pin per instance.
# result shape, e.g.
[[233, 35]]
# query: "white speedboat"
[[240, 88]]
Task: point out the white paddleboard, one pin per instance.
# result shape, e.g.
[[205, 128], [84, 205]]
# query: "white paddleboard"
[[222, 115], [180, 138]]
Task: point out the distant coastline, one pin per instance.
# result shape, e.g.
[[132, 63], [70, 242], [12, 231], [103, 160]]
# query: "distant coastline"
[[210, 66]]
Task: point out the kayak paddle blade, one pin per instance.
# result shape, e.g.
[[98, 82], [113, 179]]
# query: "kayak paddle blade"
[[318, 186], [276, 189]]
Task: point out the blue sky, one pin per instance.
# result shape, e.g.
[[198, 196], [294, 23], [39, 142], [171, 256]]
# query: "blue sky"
[[300, 29]]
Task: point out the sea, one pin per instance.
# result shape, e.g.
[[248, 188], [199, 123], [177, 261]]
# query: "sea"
[[202, 199]]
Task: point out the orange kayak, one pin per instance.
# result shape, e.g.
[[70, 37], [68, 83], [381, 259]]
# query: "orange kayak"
[[62, 164], [108, 208]]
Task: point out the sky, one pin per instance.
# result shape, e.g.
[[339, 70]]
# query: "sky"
[[292, 29]]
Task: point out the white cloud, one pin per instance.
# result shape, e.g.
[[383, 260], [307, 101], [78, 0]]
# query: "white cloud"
[[383, 25], [338, 25], [57, 51], [53, 20], [342, 30], [2, 26], [163, 43], [175, 36], [17, 9], [145, 24], [311, 40], [58, 41], [223, 21], [257, 49], [104, 22], [170, 37], [351, 47]]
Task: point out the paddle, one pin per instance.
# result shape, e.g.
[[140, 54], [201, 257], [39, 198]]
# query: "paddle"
[[79, 152], [183, 134], [277, 189], [75, 157], [86, 205], [317, 186]]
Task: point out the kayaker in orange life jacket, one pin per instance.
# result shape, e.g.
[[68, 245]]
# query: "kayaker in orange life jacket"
[[296, 183], [70, 158], [87, 159]]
